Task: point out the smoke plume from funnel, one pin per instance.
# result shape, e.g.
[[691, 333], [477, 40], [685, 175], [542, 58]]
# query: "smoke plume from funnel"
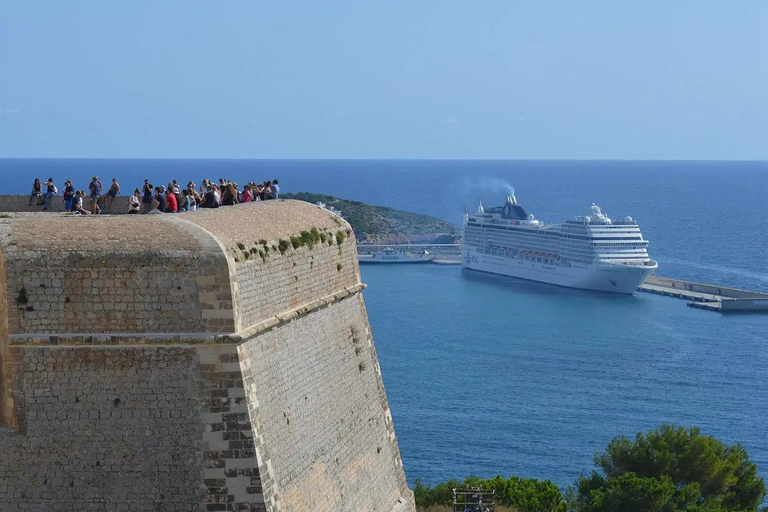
[[492, 185]]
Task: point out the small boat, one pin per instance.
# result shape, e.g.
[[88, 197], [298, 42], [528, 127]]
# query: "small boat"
[[394, 256]]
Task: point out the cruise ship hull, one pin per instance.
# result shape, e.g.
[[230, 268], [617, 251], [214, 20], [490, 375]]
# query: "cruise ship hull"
[[603, 276]]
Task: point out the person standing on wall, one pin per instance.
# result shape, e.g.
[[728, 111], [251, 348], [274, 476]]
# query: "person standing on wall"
[[275, 190], [95, 190], [69, 195], [146, 198], [49, 192]]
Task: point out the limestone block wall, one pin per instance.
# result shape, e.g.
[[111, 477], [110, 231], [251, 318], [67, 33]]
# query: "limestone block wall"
[[326, 397], [155, 367], [279, 262], [17, 203], [139, 428], [7, 416], [139, 275], [280, 282], [103, 426]]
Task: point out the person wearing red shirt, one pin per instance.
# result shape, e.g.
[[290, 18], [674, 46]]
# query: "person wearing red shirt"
[[171, 205], [246, 196]]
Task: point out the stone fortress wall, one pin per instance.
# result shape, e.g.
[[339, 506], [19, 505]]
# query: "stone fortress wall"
[[212, 360], [19, 203]]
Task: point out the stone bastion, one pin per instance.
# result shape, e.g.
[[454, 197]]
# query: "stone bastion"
[[216, 360]]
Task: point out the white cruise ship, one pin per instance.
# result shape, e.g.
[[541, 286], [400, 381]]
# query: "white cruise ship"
[[591, 252]]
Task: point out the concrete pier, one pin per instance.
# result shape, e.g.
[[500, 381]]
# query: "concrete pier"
[[706, 296]]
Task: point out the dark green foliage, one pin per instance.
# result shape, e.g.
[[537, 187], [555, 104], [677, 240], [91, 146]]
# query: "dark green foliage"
[[670, 469], [524, 494], [305, 238], [21, 298], [241, 246], [323, 237], [282, 246], [338, 267], [340, 236], [263, 242], [310, 238]]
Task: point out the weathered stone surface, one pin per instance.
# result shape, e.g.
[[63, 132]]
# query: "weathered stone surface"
[[325, 397], [154, 366]]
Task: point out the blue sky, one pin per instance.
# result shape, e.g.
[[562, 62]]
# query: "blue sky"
[[396, 79]]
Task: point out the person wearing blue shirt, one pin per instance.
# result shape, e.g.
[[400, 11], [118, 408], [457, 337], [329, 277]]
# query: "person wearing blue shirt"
[[69, 195], [95, 189]]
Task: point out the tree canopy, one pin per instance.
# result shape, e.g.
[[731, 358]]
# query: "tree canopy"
[[670, 469]]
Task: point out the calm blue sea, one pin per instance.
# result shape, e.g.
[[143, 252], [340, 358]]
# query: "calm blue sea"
[[488, 375]]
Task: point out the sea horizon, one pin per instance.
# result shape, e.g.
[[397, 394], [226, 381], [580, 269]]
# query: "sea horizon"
[[389, 159]]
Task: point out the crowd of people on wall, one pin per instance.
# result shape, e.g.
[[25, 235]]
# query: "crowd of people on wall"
[[152, 199]]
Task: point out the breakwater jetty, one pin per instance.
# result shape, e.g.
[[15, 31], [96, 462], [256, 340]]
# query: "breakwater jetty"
[[707, 296]]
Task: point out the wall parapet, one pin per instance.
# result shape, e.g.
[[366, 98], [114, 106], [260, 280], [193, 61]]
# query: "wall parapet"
[[20, 204]]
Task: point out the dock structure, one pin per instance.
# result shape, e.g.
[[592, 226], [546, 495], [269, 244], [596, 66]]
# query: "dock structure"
[[441, 254], [708, 296]]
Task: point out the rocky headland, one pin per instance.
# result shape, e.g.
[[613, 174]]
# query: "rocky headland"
[[385, 225]]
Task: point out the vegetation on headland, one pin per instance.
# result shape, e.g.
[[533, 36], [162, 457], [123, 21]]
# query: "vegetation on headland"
[[381, 224], [670, 469]]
